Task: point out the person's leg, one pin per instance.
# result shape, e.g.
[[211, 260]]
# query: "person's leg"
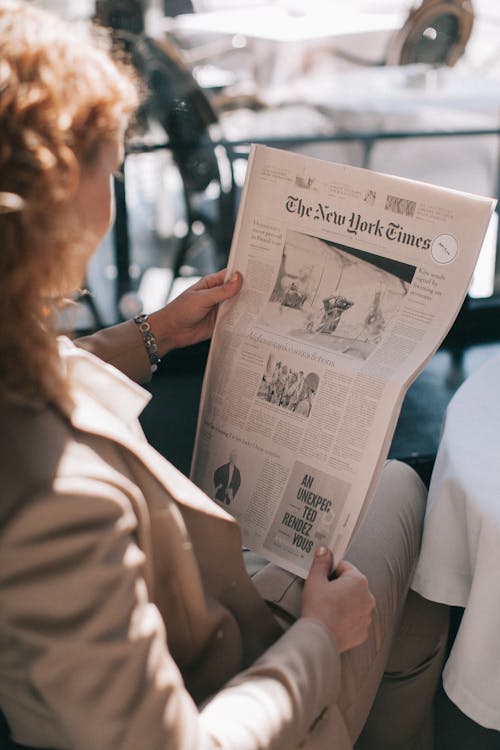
[[402, 716], [385, 549]]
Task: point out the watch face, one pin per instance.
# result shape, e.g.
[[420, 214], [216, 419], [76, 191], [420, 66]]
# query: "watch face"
[[444, 248]]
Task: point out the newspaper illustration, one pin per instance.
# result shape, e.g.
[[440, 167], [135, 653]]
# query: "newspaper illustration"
[[351, 281]]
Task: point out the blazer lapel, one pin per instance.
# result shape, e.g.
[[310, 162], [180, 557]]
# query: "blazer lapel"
[[107, 403]]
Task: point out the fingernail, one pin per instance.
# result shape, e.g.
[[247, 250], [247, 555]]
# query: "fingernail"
[[234, 277], [321, 551]]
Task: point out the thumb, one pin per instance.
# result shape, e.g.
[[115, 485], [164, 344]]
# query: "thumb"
[[232, 285], [321, 565], [214, 295]]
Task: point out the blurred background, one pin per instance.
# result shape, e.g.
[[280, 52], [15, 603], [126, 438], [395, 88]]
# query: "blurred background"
[[397, 86]]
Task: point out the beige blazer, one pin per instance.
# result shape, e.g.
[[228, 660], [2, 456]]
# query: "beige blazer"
[[127, 618]]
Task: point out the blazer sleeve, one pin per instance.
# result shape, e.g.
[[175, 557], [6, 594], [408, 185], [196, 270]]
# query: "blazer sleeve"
[[74, 600], [120, 345]]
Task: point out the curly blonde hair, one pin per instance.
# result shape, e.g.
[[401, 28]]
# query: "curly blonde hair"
[[62, 97]]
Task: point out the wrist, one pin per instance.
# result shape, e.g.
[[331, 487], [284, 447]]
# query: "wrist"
[[166, 339], [149, 340]]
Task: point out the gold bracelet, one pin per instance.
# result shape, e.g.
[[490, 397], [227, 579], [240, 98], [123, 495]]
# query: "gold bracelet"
[[149, 340]]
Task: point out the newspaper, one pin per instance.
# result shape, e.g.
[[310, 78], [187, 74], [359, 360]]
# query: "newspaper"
[[351, 281]]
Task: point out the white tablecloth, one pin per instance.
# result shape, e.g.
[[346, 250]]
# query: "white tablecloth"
[[460, 558]]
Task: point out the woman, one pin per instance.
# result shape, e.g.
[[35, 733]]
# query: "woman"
[[127, 618]]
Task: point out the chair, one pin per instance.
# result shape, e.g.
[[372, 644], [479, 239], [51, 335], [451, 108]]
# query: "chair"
[[184, 111], [176, 102], [436, 32]]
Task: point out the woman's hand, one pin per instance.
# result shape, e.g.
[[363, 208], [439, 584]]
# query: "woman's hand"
[[343, 604], [190, 317]]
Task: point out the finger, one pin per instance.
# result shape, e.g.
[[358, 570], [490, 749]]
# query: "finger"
[[322, 563], [233, 284], [211, 280], [208, 282], [219, 293], [341, 568], [215, 279], [344, 567]]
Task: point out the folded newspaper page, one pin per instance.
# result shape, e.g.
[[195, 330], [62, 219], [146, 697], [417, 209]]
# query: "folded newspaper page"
[[351, 281]]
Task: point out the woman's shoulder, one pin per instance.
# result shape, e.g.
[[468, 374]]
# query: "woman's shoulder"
[[29, 434], [32, 440], [41, 450]]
